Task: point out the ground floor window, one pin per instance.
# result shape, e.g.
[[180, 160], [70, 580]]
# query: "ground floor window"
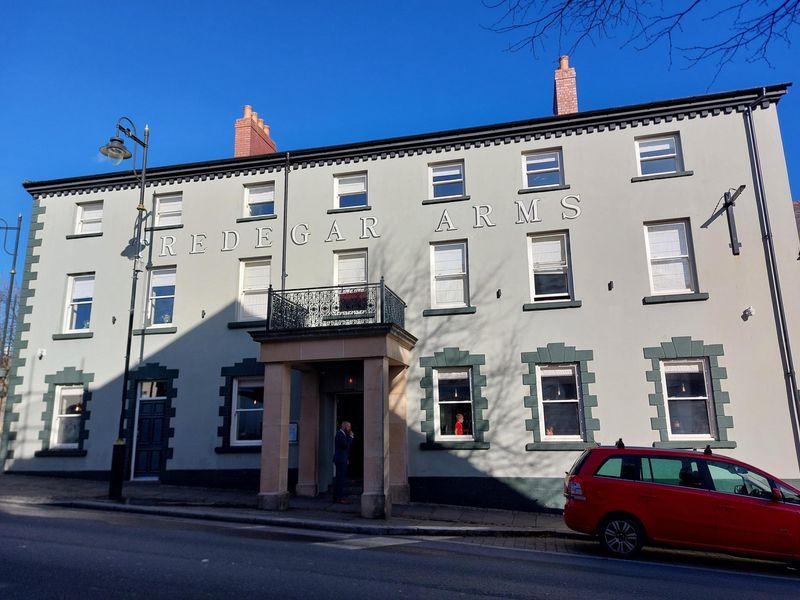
[[248, 412], [453, 397], [690, 413], [559, 389], [66, 429]]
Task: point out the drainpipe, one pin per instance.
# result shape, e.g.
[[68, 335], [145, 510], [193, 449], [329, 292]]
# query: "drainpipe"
[[790, 375], [285, 220]]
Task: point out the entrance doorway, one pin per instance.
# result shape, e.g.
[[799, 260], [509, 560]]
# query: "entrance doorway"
[[350, 407], [148, 455]]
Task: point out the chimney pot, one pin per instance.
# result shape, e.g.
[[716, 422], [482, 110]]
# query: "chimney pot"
[[563, 63], [247, 110]]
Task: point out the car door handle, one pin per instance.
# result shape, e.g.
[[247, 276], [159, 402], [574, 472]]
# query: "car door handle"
[[648, 496], [727, 507]]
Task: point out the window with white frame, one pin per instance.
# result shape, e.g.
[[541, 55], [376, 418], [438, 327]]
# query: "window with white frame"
[[543, 169], [350, 272], [447, 180], [452, 393], [560, 394], [659, 155], [351, 190], [254, 279], [89, 218], [550, 267], [248, 411], [259, 200], [66, 429], [690, 407], [168, 210], [161, 297], [449, 275], [669, 250], [80, 296]]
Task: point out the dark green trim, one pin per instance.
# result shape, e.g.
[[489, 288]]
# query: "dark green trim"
[[164, 227], [552, 305], [336, 211], [675, 298], [543, 188], [67, 376], [454, 357], [555, 354], [686, 347], [8, 437], [257, 218], [254, 324], [559, 446], [71, 453], [249, 367], [155, 331], [454, 445], [661, 176], [73, 336], [441, 312], [694, 445], [151, 372], [238, 449], [443, 200], [78, 236]]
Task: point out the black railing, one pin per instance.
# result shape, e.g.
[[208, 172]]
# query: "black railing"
[[334, 306]]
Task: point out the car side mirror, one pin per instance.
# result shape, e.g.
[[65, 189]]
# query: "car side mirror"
[[777, 495]]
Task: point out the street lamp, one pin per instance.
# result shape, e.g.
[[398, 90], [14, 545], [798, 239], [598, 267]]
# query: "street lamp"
[[5, 227], [117, 152]]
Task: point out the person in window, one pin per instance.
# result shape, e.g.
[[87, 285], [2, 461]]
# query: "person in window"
[[549, 430], [459, 424], [341, 456]]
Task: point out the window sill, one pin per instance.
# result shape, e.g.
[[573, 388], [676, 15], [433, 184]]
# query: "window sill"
[[454, 446], [447, 199], [258, 218], [666, 298], [254, 324], [441, 312], [661, 176], [694, 445], [552, 305], [558, 446], [64, 452], [543, 188], [238, 449], [334, 211], [155, 331], [78, 236], [78, 335], [164, 227]]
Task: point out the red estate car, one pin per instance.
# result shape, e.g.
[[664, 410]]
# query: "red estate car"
[[632, 496]]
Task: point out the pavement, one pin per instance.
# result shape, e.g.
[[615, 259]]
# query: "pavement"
[[237, 506]]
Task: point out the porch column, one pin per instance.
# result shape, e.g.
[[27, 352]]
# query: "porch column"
[[308, 434], [274, 492], [398, 433], [376, 501]]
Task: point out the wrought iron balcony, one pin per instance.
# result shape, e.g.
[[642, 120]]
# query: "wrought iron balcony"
[[334, 306]]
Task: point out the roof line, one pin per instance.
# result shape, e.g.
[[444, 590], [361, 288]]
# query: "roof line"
[[529, 127]]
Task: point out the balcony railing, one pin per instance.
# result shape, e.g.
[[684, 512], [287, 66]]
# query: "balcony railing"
[[334, 306]]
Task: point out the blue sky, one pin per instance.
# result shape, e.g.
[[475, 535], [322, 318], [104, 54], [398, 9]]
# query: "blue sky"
[[320, 73]]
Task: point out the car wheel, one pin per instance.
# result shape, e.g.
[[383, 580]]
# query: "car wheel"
[[621, 536]]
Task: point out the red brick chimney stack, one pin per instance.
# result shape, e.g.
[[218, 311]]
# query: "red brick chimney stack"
[[565, 96], [251, 136]]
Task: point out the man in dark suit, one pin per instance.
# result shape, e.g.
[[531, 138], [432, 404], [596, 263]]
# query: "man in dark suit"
[[341, 456]]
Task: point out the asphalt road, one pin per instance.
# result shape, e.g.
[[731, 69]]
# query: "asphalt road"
[[49, 553]]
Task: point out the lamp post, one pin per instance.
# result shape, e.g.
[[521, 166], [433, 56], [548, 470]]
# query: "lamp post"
[[117, 152], [5, 227]]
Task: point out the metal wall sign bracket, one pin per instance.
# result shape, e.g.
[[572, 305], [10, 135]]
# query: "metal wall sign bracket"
[[729, 202]]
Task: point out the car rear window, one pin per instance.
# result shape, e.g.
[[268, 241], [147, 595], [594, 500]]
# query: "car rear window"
[[579, 463]]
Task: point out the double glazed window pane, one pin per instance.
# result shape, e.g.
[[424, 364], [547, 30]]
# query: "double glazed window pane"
[[450, 273], [687, 398], [448, 180], [550, 267], [68, 419], [670, 258], [255, 288], [162, 296], [153, 389], [352, 191], [543, 169], [168, 210], [249, 411], [455, 402], [560, 401], [658, 155], [90, 217], [261, 200], [80, 308], [351, 269]]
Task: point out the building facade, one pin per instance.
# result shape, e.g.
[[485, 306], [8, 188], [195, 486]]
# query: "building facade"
[[482, 304]]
